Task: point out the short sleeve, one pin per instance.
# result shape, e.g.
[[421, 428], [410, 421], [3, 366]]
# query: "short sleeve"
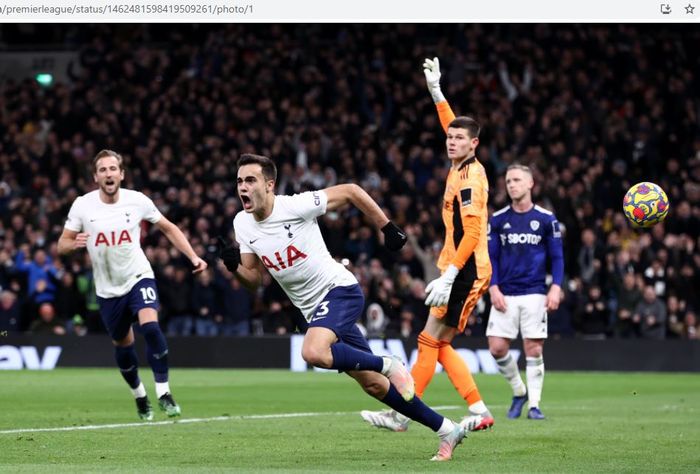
[[309, 205], [74, 221], [150, 211]]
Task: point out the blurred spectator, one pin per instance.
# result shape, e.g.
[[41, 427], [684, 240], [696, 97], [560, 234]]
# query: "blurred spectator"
[[628, 297], [593, 317], [41, 274], [176, 298], [589, 258], [69, 301], [560, 321], [650, 315], [691, 325], [237, 309], [205, 305], [9, 312], [376, 322], [76, 326], [47, 322]]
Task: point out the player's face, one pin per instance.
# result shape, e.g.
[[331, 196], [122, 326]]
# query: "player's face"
[[108, 176], [253, 190], [459, 144], [518, 184]]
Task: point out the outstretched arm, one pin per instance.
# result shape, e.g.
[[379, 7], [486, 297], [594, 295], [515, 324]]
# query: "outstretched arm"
[[431, 69], [343, 194], [178, 239]]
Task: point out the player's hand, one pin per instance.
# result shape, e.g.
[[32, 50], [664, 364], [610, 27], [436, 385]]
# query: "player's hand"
[[438, 291], [394, 237], [553, 298], [199, 264], [497, 299], [80, 241], [229, 254], [431, 69]]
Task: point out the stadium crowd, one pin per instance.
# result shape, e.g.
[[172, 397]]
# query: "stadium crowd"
[[592, 109]]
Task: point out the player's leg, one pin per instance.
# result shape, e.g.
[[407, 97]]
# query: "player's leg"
[[457, 370], [534, 331], [502, 328], [117, 320], [438, 331], [449, 432], [145, 303], [325, 346]]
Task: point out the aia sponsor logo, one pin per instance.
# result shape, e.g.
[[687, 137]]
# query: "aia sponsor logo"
[[113, 238], [281, 261]]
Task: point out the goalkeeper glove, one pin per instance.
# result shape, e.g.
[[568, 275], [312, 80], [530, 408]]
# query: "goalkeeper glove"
[[230, 254], [394, 237], [438, 291], [431, 69]]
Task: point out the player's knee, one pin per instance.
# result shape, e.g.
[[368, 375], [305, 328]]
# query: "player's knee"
[[534, 352], [498, 351], [317, 356]]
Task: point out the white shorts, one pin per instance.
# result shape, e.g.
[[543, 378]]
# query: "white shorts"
[[524, 313]]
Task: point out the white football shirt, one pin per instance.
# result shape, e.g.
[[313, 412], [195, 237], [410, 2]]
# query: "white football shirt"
[[114, 243], [290, 245]]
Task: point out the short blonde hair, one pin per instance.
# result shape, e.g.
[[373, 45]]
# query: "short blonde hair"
[[518, 166]]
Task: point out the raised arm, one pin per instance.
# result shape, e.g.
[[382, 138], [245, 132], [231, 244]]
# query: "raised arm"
[[343, 194], [431, 69]]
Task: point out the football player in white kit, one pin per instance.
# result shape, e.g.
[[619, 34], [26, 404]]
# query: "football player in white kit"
[[107, 222], [522, 237], [281, 233]]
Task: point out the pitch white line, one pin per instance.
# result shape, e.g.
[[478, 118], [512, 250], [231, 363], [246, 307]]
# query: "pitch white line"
[[192, 420]]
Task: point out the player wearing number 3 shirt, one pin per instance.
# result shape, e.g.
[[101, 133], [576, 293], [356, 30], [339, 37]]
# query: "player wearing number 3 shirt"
[[107, 222], [280, 233]]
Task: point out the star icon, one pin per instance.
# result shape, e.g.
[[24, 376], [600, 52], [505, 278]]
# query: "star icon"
[[690, 9]]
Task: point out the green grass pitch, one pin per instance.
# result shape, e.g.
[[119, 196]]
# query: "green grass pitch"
[[271, 420]]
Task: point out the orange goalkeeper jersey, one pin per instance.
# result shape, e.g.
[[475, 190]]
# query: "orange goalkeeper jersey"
[[464, 206]]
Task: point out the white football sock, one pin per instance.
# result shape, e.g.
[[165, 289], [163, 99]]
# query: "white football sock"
[[534, 371], [478, 408], [509, 368], [140, 391], [446, 427], [162, 388]]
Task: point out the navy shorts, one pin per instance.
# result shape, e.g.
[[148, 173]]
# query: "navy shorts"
[[339, 311], [119, 313]]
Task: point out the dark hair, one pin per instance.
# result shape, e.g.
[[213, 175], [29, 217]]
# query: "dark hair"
[[269, 170], [105, 153], [467, 123]]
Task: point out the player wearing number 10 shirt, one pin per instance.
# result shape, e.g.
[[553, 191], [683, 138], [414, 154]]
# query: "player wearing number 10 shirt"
[[107, 222]]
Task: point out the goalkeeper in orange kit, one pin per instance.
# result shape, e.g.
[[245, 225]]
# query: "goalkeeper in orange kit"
[[464, 263]]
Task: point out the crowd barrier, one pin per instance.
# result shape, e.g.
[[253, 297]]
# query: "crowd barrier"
[[284, 352]]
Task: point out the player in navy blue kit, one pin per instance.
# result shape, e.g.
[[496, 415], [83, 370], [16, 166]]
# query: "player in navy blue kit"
[[521, 238]]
